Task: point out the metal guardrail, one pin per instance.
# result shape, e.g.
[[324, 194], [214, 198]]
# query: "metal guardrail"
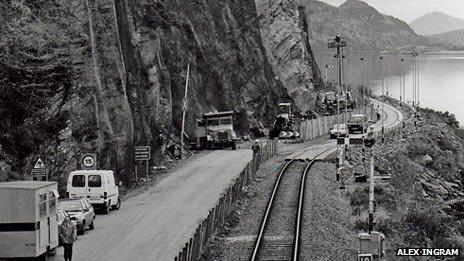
[[217, 216]]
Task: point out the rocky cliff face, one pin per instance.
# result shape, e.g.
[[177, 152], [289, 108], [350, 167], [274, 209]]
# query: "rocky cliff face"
[[283, 29], [105, 75], [362, 25]]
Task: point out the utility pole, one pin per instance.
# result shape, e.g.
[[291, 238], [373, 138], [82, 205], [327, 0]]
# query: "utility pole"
[[418, 80], [413, 80], [371, 193], [401, 79], [345, 62], [184, 110], [339, 44], [383, 93], [386, 59], [363, 84]]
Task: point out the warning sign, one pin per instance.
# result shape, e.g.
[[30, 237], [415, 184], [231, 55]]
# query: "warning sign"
[[39, 164]]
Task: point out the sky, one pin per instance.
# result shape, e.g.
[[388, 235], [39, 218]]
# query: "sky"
[[408, 10]]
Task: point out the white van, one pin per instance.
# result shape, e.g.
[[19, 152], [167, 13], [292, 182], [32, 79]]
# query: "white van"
[[97, 186], [28, 219]]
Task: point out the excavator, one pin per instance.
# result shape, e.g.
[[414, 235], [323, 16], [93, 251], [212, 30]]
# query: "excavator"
[[283, 123]]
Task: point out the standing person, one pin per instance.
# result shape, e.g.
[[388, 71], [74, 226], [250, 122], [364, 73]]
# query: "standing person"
[[69, 234], [256, 149]]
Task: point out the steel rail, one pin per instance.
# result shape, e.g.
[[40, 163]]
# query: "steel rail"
[[264, 222]]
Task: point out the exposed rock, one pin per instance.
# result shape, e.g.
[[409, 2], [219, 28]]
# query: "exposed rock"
[[106, 75], [283, 29], [426, 160]]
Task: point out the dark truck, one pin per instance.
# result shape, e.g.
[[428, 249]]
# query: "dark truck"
[[215, 130], [357, 124]]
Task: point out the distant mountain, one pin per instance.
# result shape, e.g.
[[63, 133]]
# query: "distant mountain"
[[436, 23], [362, 25], [453, 40]]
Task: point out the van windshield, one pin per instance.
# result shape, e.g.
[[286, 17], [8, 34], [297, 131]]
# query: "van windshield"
[[71, 206], [95, 181]]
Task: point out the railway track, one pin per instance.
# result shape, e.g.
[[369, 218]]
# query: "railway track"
[[279, 234]]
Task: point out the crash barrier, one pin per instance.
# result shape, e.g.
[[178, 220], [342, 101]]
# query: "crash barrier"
[[217, 216], [320, 126]]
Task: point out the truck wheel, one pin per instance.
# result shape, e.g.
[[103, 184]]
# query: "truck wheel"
[[233, 146], [118, 205], [106, 209]]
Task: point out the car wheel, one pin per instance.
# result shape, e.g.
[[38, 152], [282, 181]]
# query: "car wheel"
[[106, 209], [118, 205], [233, 146], [91, 226], [81, 230]]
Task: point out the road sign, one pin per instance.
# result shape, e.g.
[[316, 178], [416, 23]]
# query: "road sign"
[[365, 257], [335, 44], [39, 174], [89, 161], [142, 153], [39, 164]]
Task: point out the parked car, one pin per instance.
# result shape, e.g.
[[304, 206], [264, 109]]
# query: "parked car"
[[341, 129], [61, 215], [81, 211], [96, 185]]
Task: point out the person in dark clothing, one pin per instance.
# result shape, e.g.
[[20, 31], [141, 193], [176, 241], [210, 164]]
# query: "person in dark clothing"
[[256, 148], [69, 233]]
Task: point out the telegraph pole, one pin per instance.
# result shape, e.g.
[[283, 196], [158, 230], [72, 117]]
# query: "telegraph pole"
[[401, 79], [339, 44], [418, 80], [414, 80], [363, 84], [184, 110], [383, 93], [371, 193]]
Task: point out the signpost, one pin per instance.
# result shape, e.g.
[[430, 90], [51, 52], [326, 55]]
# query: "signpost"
[[39, 172], [88, 161], [142, 153]]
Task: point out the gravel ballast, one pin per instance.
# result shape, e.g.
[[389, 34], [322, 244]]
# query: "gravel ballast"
[[328, 235]]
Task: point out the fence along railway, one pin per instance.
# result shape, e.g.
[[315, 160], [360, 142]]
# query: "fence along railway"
[[282, 241]]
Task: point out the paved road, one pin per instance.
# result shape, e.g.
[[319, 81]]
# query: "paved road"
[[391, 118], [153, 225]]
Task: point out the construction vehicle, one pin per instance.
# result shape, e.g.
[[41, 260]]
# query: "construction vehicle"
[[347, 101], [215, 130], [283, 123], [330, 99]]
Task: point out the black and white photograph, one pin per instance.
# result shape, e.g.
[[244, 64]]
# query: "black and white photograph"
[[231, 130]]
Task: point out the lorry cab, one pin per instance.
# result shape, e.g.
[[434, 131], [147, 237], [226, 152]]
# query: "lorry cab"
[[357, 124], [215, 129], [28, 219], [98, 186]]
